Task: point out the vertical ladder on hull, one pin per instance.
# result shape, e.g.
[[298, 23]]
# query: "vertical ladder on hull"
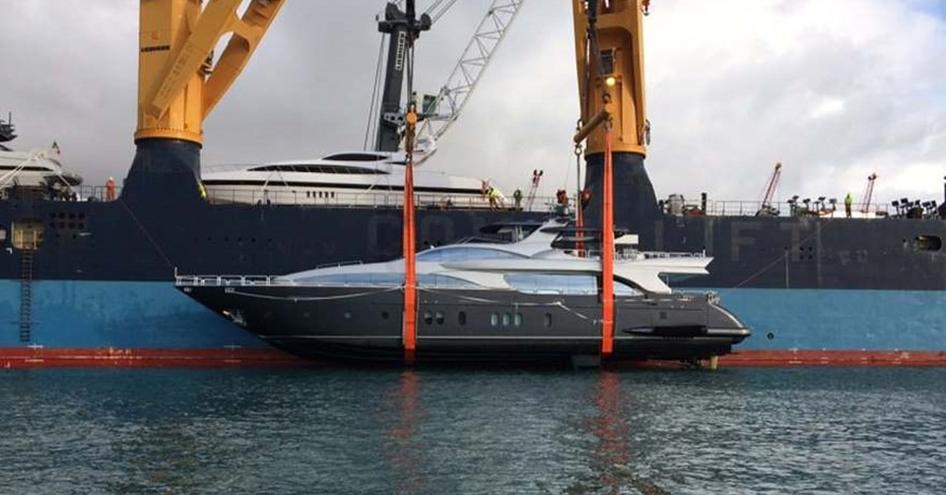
[[26, 295]]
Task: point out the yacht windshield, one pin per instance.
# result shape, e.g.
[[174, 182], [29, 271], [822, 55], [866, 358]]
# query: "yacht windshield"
[[465, 253]]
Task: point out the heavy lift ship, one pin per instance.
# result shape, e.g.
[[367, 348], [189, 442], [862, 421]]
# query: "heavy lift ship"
[[92, 283]]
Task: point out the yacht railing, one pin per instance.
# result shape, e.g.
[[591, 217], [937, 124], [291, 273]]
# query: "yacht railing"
[[224, 280], [371, 199]]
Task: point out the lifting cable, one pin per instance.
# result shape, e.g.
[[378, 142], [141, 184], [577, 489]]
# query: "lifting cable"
[[375, 91]]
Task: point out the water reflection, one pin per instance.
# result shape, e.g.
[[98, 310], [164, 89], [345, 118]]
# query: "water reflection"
[[612, 456], [402, 451]]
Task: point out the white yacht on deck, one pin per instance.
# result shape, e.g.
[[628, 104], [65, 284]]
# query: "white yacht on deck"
[[360, 178], [32, 169]]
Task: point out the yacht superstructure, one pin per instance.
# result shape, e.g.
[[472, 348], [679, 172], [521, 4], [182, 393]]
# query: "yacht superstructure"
[[344, 179]]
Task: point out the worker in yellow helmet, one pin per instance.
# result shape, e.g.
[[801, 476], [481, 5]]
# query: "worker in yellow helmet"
[[848, 202]]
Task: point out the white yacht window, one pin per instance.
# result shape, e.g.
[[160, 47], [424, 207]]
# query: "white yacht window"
[[388, 280], [355, 157], [622, 288], [465, 253], [569, 284]]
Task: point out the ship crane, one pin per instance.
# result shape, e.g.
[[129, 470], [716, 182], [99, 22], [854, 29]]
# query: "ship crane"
[[767, 209], [868, 193], [437, 113]]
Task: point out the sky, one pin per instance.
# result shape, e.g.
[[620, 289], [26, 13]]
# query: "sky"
[[835, 90]]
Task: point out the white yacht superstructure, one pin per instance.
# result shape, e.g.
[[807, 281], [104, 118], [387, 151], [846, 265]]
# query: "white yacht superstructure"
[[344, 179], [35, 168], [533, 263]]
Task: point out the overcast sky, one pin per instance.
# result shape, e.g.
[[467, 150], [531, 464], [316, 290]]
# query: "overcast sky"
[[835, 89]]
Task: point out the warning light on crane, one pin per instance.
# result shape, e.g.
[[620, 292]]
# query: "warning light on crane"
[[610, 81]]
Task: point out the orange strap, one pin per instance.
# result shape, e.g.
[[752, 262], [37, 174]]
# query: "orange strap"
[[607, 249], [410, 273]]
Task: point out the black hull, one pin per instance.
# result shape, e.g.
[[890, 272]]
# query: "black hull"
[[364, 324]]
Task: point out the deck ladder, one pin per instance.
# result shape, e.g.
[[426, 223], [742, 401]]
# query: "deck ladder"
[[26, 295]]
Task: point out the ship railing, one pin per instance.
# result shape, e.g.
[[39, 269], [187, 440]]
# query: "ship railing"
[[224, 280], [372, 199], [81, 193], [729, 208]]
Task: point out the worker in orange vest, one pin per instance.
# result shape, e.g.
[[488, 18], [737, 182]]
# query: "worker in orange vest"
[[110, 189]]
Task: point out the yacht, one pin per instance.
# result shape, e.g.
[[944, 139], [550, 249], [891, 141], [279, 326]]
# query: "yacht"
[[533, 298], [365, 179], [38, 168]]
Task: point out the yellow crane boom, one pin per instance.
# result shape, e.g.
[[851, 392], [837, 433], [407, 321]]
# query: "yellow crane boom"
[[609, 54], [177, 86]]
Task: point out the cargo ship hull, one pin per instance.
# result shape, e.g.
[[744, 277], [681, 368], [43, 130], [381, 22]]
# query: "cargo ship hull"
[[98, 289]]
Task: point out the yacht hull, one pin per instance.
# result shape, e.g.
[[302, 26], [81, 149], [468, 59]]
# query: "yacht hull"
[[365, 324]]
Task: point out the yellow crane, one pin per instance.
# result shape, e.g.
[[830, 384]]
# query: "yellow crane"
[[177, 85]]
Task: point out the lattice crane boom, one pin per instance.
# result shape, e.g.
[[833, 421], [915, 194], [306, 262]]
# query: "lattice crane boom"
[[454, 95]]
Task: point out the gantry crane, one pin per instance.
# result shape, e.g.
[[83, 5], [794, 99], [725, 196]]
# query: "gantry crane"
[[180, 84]]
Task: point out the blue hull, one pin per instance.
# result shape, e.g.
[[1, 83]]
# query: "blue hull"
[[127, 315], [154, 315]]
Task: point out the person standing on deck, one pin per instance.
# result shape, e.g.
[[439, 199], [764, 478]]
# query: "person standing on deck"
[[848, 202], [517, 197], [110, 189]]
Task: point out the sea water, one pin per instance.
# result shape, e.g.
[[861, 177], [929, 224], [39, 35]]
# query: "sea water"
[[466, 431]]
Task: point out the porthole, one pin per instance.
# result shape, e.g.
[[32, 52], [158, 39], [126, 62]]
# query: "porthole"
[[517, 319], [507, 319], [439, 318], [347, 315], [548, 320], [428, 318], [385, 315], [928, 243], [770, 336], [461, 318], [494, 319]]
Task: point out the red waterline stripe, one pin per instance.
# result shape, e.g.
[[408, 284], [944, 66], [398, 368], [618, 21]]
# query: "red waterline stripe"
[[861, 358], [26, 357]]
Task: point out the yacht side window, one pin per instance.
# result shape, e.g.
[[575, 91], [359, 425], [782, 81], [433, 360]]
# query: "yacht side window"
[[465, 254], [622, 288], [3, 234], [569, 284]]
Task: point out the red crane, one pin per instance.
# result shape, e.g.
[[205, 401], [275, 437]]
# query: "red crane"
[[869, 193], [766, 209]]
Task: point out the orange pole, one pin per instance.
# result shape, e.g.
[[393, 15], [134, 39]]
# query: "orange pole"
[[410, 272], [607, 249], [409, 333]]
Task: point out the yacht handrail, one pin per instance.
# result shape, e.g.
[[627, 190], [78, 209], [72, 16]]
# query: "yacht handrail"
[[224, 280]]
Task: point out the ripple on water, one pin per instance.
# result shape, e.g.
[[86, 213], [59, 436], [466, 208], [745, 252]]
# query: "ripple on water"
[[345, 431]]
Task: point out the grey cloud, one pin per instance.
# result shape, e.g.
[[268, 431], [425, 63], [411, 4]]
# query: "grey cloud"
[[724, 108]]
